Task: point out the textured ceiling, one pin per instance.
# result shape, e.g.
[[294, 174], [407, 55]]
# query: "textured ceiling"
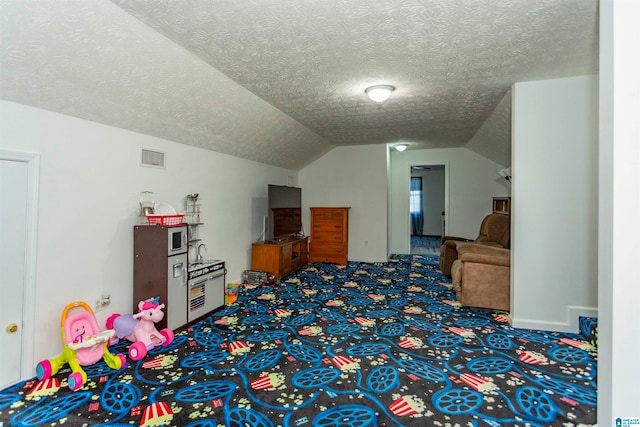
[[282, 81]]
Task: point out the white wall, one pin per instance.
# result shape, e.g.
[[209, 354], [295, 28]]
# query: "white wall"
[[619, 228], [352, 176], [90, 184], [493, 138], [472, 181], [555, 189]]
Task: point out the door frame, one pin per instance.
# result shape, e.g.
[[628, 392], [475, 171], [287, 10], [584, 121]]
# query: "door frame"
[[31, 249], [446, 194]]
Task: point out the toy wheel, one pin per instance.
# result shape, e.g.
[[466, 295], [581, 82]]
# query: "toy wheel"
[[304, 353], [208, 391], [326, 296], [111, 319], [120, 397], [456, 402], [75, 380], [439, 308], [346, 415], [168, 335], [380, 314], [572, 391], [500, 341], [360, 302], [53, 410], [208, 339], [367, 349], [137, 350], [383, 379], [43, 370], [303, 320], [490, 365], [423, 370], [264, 360], [536, 403], [445, 340], [258, 319], [247, 417], [344, 329], [569, 355], [392, 329], [422, 324], [315, 377], [332, 315], [123, 360], [203, 359], [399, 302], [267, 336]]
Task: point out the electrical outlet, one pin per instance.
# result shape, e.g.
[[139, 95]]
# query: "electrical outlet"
[[102, 302]]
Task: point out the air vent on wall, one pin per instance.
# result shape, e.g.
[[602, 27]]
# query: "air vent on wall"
[[151, 158]]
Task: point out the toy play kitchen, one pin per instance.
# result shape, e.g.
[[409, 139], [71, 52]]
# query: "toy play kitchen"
[[169, 262]]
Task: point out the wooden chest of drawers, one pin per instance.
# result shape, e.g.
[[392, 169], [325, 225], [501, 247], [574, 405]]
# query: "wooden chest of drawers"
[[329, 235]]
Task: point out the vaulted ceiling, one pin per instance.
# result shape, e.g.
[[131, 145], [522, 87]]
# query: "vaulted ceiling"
[[282, 81]]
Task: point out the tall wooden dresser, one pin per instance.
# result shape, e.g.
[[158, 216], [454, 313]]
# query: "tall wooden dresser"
[[329, 235]]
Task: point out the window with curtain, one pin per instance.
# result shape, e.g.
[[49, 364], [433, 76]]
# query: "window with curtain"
[[415, 207]]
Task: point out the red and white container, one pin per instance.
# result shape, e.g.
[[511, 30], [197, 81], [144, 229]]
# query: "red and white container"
[[407, 405], [156, 414], [268, 382], [344, 363], [238, 347], [153, 363], [44, 388], [532, 358], [478, 383]]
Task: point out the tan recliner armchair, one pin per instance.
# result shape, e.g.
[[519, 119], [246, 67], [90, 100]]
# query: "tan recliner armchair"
[[481, 276], [495, 231]]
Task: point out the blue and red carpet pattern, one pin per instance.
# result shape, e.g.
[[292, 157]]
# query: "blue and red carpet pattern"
[[382, 344]]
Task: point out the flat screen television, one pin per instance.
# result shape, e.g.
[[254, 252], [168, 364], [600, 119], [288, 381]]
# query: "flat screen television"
[[284, 218]]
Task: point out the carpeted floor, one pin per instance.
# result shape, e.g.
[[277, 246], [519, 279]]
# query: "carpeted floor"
[[366, 344], [425, 245]]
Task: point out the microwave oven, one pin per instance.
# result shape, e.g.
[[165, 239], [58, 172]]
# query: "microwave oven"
[[177, 240]]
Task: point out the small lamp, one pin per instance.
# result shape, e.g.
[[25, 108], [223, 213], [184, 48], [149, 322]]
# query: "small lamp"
[[401, 147], [379, 93]]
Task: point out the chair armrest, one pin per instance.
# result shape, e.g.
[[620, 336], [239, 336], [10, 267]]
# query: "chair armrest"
[[491, 244], [454, 239], [488, 259], [482, 248]]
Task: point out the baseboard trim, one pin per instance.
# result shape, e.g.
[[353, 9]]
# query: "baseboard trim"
[[571, 325]]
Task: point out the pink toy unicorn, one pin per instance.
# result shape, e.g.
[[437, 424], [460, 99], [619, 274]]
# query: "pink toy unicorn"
[[140, 328]]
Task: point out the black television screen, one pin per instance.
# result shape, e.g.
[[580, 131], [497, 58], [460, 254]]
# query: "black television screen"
[[285, 212]]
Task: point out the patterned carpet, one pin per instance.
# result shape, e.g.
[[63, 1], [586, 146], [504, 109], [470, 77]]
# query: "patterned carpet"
[[425, 245], [381, 344]]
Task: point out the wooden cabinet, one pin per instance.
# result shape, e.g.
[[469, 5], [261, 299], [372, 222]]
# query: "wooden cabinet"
[[502, 205], [282, 258], [159, 273], [329, 235]]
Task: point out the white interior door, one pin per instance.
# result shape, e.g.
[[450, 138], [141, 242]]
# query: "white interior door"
[[17, 196]]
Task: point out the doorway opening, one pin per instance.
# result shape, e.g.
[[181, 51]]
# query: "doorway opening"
[[426, 208], [18, 189]]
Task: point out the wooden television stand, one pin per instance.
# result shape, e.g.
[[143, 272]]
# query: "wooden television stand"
[[281, 257]]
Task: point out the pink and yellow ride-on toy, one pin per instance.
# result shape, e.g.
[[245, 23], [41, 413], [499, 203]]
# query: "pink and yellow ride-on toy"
[[140, 328], [84, 344]]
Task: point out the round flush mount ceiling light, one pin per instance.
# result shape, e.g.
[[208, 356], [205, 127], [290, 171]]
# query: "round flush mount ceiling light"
[[379, 93], [401, 147]]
